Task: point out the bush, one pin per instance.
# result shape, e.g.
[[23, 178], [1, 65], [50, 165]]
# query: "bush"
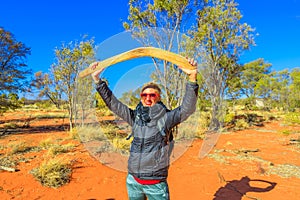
[[241, 124], [8, 161], [20, 147], [58, 149], [292, 118], [11, 126], [46, 144], [53, 173], [229, 118], [90, 133], [121, 144]]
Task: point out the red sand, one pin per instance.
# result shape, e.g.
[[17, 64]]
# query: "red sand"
[[189, 176]]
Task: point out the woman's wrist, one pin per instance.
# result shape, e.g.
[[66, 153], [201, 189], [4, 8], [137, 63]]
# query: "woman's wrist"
[[96, 80], [193, 77]]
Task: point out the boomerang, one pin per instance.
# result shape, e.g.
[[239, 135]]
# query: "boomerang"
[[136, 53]]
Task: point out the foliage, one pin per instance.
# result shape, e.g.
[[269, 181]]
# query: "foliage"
[[279, 97], [241, 124], [221, 38], [10, 101], [229, 117], [45, 84], [131, 98], [292, 118], [53, 173], [62, 85], [102, 109], [46, 104], [295, 88], [162, 23], [14, 70], [254, 77]]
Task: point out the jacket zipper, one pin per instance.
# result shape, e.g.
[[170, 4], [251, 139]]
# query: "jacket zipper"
[[141, 151]]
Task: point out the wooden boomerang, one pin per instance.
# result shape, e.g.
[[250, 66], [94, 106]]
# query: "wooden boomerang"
[[140, 52]]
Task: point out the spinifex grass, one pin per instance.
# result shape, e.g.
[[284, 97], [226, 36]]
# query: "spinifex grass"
[[53, 173]]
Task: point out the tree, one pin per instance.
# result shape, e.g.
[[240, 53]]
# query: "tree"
[[14, 70], [279, 89], [10, 101], [48, 88], [221, 38], [295, 88], [254, 76], [70, 59], [164, 24], [131, 98]]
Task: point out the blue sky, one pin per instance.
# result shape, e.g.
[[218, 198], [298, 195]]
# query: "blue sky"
[[278, 26], [44, 25]]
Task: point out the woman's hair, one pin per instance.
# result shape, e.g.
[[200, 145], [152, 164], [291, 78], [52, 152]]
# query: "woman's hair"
[[151, 85]]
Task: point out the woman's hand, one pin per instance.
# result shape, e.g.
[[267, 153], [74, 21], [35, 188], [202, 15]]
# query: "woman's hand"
[[95, 75], [192, 73]]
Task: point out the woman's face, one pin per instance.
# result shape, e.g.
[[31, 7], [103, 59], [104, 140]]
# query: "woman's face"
[[150, 97]]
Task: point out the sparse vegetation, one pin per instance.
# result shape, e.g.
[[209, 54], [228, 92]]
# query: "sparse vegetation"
[[11, 125], [54, 170], [286, 132], [53, 173], [56, 149], [285, 170], [90, 133], [46, 144], [292, 118], [7, 161], [20, 147], [121, 145]]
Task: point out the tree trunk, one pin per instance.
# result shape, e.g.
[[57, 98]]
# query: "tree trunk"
[[216, 122]]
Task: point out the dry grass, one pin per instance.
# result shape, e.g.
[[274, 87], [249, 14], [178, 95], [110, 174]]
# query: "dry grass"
[[53, 173], [283, 170]]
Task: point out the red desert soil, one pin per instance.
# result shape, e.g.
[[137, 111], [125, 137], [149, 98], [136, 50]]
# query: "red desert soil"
[[238, 168]]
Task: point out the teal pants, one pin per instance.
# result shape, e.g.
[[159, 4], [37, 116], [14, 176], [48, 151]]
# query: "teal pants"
[[136, 191]]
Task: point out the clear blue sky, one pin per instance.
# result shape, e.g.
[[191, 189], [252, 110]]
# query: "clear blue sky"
[[44, 25]]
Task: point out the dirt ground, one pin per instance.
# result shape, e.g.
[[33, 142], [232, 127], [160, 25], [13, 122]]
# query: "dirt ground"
[[258, 163]]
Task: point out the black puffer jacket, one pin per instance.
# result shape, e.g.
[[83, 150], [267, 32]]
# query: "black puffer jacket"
[[150, 148]]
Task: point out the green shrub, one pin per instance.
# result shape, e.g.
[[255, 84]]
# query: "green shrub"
[[292, 118], [286, 132], [229, 118], [241, 124]]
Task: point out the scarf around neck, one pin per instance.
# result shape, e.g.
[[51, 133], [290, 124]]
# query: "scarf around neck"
[[145, 114]]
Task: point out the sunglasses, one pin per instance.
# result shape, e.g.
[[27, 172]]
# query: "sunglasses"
[[151, 95]]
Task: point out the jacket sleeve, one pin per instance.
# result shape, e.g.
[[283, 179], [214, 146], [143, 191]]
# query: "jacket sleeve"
[[187, 107], [116, 106]]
